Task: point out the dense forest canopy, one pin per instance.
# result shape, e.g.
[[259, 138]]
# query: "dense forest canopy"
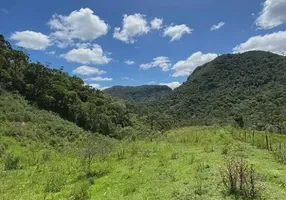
[[248, 87], [138, 93], [56, 91]]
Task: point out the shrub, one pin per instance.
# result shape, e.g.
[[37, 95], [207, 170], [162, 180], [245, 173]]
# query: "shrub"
[[3, 148], [80, 192], [192, 159], [198, 190], [174, 156], [46, 156], [134, 150], [91, 175], [127, 132], [54, 184], [11, 162], [121, 154], [239, 179], [94, 146], [224, 150]]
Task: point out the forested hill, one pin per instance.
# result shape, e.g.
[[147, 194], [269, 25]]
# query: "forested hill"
[[248, 88], [54, 90], [138, 93]]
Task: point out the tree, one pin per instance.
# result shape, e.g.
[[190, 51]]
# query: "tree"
[[94, 146], [54, 90], [239, 121]]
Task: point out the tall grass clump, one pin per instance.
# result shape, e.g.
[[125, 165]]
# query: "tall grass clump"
[[54, 183], [80, 192], [239, 178], [11, 162]]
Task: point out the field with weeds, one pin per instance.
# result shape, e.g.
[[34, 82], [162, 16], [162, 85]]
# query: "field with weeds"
[[187, 163]]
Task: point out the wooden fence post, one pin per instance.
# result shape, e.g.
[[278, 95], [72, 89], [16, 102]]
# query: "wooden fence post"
[[267, 141]]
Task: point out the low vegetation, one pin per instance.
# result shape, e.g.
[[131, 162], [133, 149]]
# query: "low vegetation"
[[186, 163], [138, 94], [54, 90], [62, 140]]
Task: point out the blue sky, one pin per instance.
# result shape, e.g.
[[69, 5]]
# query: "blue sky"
[[135, 42]]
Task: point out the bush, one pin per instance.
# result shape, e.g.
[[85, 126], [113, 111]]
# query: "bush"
[[91, 175], [11, 162], [54, 184], [127, 132], [224, 150], [3, 148], [174, 156], [239, 179], [46, 156], [80, 192], [120, 154]]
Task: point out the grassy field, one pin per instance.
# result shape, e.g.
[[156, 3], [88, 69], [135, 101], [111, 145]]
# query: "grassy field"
[[182, 164]]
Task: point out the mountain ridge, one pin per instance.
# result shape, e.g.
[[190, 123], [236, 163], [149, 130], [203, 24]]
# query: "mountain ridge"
[[138, 93], [250, 86]]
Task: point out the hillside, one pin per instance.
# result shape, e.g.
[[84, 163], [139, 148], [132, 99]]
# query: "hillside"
[[62, 140], [248, 88], [54, 90], [43, 156], [138, 94]]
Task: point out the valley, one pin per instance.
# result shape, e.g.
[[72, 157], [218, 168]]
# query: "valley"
[[220, 135]]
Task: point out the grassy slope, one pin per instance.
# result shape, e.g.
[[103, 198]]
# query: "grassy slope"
[[182, 164], [185, 164]]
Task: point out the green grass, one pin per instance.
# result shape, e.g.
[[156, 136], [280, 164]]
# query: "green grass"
[[43, 160], [183, 164]]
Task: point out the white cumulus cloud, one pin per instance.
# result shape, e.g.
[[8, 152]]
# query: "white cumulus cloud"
[[156, 23], [80, 24], [129, 62], [217, 26], [127, 78], [274, 42], [273, 14], [132, 27], [87, 71], [151, 83], [172, 85], [92, 55], [96, 86], [98, 78], [51, 53], [175, 32], [186, 67], [163, 62], [31, 40]]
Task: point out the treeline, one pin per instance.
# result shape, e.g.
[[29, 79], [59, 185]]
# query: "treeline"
[[138, 94], [246, 89], [54, 90]]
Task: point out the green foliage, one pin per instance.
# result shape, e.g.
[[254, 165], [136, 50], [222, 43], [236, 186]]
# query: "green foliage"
[[248, 88], [80, 192], [54, 90], [138, 94], [54, 184], [239, 178], [46, 156], [120, 154], [3, 148], [94, 146], [173, 166], [23, 121], [11, 162]]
